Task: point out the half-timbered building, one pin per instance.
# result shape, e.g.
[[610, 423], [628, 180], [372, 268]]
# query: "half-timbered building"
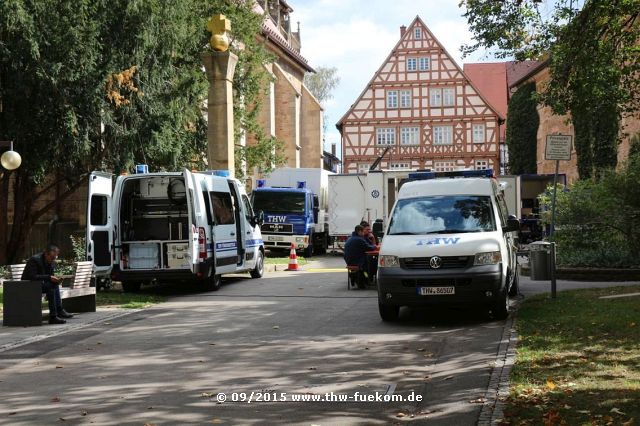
[[421, 104]]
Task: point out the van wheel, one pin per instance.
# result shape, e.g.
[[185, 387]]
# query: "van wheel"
[[500, 309], [131, 286], [214, 281], [515, 285], [258, 271], [388, 313]]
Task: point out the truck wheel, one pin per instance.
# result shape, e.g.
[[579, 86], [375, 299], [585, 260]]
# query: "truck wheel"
[[515, 285], [258, 271], [308, 252], [388, 313], [500, 309], [131, 286]]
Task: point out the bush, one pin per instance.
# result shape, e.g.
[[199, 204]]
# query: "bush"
[[598, 222]]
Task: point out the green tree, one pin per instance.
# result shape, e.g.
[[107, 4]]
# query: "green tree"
[[594, 59], [522, 130], [96, 84]]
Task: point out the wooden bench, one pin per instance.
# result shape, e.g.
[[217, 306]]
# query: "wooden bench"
[[21, 306]]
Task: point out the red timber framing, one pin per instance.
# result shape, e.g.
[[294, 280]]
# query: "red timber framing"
[[420, 102]]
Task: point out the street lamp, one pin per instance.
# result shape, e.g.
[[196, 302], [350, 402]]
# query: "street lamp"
[[10, 160]]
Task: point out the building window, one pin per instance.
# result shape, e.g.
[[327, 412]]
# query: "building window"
[[444, 166], [417, 33], [412, 64], [448, 96], [436, 97], [363, 168], [443, 135], [410, 136], [386, 136], [405, 99], [481, 164], [423, 64], [392, 99], [478, 133], [400, 166]]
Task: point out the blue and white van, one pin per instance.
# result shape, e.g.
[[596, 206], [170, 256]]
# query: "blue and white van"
[[449, 241], [171, 227]]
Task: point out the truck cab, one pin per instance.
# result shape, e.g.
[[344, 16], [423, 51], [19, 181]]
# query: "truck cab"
[[449, 241]]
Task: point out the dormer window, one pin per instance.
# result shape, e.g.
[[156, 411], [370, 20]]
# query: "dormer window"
[[417, 33]]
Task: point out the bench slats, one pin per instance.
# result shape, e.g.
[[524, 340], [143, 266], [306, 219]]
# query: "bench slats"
[[16, 271]]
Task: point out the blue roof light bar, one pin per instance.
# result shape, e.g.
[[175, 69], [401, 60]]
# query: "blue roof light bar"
[[458, 173]]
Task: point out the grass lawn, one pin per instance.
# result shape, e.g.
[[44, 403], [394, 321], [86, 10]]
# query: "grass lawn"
[[578, 360], [283, 260]]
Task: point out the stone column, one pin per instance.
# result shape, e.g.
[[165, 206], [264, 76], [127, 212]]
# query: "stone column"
[[220, 67]]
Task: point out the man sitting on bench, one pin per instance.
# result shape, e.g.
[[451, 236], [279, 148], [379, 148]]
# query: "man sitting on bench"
[[355, 253], [41, 267]]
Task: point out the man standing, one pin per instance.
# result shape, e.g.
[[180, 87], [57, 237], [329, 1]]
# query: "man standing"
[[41, 267], [355, 253]]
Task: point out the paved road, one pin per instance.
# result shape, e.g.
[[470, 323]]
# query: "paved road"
[[290, 332]]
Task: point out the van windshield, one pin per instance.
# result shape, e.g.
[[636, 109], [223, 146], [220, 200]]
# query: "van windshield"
[[279, 202], [442, 214]]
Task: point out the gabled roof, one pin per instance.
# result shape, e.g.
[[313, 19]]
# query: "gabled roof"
[[407, 33], [491, 80]]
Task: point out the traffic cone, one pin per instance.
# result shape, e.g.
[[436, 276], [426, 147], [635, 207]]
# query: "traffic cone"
[[293, 259]]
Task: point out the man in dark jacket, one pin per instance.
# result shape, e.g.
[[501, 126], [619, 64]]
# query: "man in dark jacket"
[[355, 252], [41, 267]]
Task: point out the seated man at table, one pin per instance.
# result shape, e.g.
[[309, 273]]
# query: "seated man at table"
[[41, 267], [355, 253], [367, 234]]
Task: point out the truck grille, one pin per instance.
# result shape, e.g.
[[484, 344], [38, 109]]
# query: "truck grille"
[[277, 228], [443, 282], [448, 262]]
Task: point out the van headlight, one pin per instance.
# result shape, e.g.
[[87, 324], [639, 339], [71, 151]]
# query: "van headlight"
[[387, 261], [488, 258]]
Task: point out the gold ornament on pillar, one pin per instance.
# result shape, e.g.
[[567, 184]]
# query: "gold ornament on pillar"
[[218, 26]]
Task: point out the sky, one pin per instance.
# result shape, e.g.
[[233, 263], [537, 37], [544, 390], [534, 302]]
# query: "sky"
[[356, 36]]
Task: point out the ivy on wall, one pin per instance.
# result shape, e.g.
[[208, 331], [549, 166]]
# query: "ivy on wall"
[[522, 130]]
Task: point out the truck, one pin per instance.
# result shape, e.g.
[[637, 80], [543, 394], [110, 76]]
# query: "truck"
[[171, 226], [361, 196], [521, 195], [294, 202]]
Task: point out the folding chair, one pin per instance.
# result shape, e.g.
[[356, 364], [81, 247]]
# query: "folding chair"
[[354, 277]]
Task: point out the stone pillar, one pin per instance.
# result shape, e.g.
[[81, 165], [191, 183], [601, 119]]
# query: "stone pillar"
[[220, 67]]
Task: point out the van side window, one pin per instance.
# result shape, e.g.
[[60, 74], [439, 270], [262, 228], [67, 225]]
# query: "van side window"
[[207, 207], [98, 210], [222, 208]]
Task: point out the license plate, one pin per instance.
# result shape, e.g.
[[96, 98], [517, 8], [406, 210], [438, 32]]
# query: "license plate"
[[275, 238], [430, 291]]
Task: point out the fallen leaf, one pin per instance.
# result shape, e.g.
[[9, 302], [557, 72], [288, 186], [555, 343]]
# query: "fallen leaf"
[[477, 401], [206, 395], [550, 384], [59, 366], [617, 411], [448, 378], [276, 327], [551, 417], [55, 399], [107, 323], [401, 415]]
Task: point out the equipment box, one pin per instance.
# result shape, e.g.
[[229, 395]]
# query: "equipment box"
[[178, 260], [177, 247], [144, 256]]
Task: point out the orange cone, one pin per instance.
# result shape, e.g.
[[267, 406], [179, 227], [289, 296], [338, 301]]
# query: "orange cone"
[[293, 259]]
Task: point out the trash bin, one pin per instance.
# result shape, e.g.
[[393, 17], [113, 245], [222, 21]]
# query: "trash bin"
[[540, 260]]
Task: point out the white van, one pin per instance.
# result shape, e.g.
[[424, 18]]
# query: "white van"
[[449, 241], [172, 226]]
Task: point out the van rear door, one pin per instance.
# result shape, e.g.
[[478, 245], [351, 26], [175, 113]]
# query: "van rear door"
[[100, 222], [194, 232]]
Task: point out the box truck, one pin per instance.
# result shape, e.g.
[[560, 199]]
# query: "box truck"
[[172, 226]]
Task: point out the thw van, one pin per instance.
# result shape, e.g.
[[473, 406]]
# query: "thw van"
[[450, 241], [172, 226]]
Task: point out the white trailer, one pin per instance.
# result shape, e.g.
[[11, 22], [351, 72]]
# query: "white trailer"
[[362, 196]]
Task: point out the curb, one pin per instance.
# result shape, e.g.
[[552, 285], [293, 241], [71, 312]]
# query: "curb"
[[498, 388]]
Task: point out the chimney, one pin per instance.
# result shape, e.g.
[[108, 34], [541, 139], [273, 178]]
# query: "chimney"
[[333, 149], [403, 30]]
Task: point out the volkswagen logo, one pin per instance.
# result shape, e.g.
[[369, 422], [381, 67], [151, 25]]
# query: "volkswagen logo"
[[435, 262]]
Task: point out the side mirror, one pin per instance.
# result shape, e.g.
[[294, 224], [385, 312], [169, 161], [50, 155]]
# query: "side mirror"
[[513, 224], [260, 218]]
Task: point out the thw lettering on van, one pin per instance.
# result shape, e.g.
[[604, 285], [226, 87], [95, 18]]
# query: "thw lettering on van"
[[276, 219], [438, 241]]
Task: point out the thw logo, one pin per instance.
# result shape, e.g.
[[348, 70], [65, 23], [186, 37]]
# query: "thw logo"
[[276, 219]]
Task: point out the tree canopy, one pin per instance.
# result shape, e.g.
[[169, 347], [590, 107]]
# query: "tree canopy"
[[96, 84], [594, 58]]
